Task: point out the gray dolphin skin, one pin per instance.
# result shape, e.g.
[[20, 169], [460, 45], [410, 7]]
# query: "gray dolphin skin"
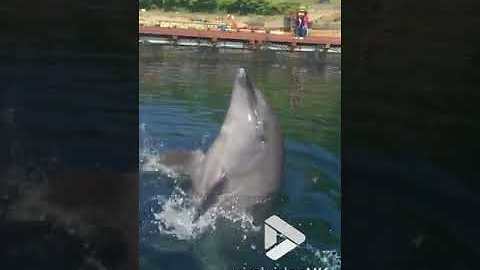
[[243, 166]]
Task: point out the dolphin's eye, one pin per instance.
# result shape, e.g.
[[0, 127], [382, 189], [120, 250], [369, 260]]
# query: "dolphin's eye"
[[260, 125], [260, 130], [262, 138]]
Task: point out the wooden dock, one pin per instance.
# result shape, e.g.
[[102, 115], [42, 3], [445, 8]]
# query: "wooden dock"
[[237, 39]]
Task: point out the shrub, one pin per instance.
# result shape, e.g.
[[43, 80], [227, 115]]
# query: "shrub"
[[144, 4], [226, 5], [174, 4], [150, 4], [243, 7], [285, 7], [202, 5]]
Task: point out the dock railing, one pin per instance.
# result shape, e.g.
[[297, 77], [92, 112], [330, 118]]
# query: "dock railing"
[[196, 25]]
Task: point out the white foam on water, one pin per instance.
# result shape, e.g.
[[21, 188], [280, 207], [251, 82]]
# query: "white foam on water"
[[328, 259], [177, 217], [149, 156]]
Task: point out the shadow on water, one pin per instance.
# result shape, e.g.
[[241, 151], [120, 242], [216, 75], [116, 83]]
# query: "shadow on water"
[[68, 185]]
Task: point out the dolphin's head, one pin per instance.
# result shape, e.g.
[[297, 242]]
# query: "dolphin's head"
[[248, 110], [247, 104], [244, 92]]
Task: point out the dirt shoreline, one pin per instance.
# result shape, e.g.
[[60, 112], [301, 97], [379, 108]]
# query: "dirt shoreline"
[[325, 18]]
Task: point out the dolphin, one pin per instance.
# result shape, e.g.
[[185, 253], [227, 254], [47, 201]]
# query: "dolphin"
[[243, 167]]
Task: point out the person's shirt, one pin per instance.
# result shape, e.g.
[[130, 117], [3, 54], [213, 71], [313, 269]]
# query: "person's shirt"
[[305, 21]]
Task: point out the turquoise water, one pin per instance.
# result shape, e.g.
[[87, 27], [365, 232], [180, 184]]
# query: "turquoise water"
[[184, 94]]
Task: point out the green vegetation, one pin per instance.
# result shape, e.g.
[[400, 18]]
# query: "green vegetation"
[[261, 7]]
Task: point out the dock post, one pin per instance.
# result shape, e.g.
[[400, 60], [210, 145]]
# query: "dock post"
[[326, 47], [175, 40], [293, 45], [251, 44], [259, 44], [214, 41]]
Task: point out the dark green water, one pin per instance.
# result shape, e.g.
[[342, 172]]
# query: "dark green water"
[[184, 94]]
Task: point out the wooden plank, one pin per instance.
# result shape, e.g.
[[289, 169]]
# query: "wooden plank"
[[239, 36]]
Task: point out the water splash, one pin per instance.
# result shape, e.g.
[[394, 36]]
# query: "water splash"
[[150, 153], [178, 212], [326, 259], [177, 217]]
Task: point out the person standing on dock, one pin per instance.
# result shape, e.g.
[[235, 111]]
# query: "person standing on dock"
[[301, 23]]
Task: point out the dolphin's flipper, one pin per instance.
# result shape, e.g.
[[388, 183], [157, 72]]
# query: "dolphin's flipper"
[[182, 162], [177, 162]]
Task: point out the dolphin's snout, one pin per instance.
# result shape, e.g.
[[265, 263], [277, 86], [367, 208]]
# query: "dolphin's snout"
[[242, 72], [242, 79], [244, 90]]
